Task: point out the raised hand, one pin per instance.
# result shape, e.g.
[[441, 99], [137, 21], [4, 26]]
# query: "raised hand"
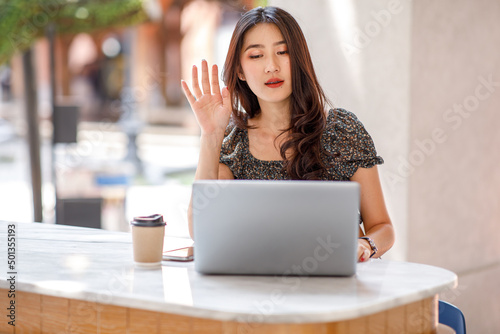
[[211, 107]]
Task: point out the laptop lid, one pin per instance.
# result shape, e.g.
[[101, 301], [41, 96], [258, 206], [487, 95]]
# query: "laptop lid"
[[275, 227]]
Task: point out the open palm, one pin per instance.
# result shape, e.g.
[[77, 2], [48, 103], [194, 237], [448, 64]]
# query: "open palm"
[[211, 107]]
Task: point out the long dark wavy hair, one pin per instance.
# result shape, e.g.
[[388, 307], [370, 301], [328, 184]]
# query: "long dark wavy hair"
[[308, 101]]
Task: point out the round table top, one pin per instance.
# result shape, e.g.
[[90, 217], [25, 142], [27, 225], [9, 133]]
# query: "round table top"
[[97, 266]]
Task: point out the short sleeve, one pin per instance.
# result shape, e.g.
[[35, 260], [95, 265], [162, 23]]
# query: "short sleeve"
[[347, 140], [232, 148]]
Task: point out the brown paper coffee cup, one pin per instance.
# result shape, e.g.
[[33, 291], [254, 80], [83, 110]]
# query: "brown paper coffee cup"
[[147, 237]]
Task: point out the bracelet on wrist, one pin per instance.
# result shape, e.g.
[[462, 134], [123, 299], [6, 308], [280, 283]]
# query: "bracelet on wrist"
[[372, 245]]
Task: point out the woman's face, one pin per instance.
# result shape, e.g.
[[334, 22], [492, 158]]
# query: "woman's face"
[[265, 64]]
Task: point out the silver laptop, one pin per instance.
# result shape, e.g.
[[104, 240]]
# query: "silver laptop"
[[305, 228]]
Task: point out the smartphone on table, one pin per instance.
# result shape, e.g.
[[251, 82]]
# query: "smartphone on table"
[[182, 254]]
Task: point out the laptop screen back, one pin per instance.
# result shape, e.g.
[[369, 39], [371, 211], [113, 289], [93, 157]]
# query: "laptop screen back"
[[275, 227]]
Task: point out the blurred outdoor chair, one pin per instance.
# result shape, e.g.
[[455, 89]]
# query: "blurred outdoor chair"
[[451, 316]]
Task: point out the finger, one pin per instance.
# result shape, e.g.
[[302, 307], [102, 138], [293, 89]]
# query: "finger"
[[226, 97], [205, 81], [215, 80], [196, 87], [360, 254], [365, 256], [191, 99]]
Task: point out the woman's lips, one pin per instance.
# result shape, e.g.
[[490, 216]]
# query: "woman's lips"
[[274, 83]]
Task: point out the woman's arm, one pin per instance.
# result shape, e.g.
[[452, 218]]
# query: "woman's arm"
[[212, 110], [376, 220]]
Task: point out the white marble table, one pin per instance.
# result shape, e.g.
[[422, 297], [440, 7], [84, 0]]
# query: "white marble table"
[[95, 267]]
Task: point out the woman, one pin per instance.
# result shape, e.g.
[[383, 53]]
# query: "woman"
[[278, 124]]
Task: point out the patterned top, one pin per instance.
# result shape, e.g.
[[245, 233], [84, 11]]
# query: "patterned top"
[[344, 134]]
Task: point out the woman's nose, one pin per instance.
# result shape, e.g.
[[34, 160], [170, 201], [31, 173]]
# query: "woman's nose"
[[272, 65]]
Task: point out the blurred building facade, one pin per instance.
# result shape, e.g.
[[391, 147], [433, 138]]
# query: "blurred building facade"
[[144, 63]]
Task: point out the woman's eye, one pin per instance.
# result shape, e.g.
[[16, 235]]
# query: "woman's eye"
[[282, 52], [255, 56]]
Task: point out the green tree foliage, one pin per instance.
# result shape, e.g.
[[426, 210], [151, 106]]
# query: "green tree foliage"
[[23, 21]]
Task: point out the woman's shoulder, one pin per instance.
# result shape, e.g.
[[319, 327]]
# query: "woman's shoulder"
[[340, 119], [232, 129], [346, 134], [233, 135]]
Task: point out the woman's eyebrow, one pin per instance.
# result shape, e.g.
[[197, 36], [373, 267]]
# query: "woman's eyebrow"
[[261, 46]]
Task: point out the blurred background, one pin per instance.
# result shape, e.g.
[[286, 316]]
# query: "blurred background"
[[116, 137], [94, 128]]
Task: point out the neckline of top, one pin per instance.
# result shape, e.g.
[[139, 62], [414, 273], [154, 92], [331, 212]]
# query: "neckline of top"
[[331, 113], [247, 148]]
